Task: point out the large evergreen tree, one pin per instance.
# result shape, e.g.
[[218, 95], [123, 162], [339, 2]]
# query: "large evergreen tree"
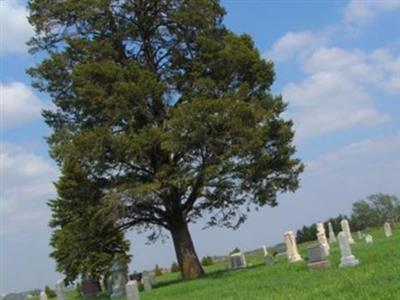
[[168, 108]]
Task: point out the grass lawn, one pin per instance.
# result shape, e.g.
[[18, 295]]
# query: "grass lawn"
[[377, 277]]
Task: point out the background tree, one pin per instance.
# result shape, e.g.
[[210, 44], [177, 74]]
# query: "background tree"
[[157, 270], [166, 107], [174, 267], [49, 292], [207, 261], [375, 210]]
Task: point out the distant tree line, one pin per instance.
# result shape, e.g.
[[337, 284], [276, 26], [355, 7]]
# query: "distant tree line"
[[370, 212]]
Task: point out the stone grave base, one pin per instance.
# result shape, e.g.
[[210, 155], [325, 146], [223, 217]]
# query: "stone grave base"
[[324, 264]]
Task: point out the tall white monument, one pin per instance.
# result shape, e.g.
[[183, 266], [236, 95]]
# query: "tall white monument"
[[346, 230], [387, 229], [60, 289], [332, 237], [322, 237], [291, 247], [347, 258], [265, 251]]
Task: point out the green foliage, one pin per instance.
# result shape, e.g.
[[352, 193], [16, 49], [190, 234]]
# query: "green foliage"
[[174, 267], [157, 270], [49, 292], [207, 261], [375, 210], [236, 250], [168, 113], [86, 239], [306, 234]]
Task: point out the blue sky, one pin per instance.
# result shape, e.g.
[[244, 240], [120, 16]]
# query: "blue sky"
[[337, 65]]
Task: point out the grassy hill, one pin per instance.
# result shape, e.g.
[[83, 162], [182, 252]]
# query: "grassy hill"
[[377, 277]]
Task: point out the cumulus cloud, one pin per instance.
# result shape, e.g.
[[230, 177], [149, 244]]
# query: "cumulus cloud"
[[361, 12], [295, 44], [15, 29], [327, 101], [18, 104], [26, 185], [336, 90]]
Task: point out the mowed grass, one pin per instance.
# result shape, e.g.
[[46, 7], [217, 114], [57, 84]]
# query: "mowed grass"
[[377, 277]]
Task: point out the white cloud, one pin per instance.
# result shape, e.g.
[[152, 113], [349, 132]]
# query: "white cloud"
[[26, 185], [328, 101], [15, 29], [380, 67], [18, 104], [295, 44], [360, 12], [335, 92]]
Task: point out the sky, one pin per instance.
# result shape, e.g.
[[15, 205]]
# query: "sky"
[[337, 65]]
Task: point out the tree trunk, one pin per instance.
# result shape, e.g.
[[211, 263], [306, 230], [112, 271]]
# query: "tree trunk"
[[188, 261]]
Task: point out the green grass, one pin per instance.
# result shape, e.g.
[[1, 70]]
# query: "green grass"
[[377, 277]]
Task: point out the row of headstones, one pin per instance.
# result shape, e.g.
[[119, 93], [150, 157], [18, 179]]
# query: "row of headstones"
[[120, 287], [317, 254]]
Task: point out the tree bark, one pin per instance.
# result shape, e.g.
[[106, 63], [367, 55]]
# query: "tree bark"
[[188, 261]]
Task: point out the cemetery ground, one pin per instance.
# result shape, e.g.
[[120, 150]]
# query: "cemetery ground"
[[377, 277]]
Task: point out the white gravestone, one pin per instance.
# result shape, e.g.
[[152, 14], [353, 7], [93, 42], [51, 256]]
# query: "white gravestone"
[[237, 260], [265, 251], [43, 295], [387, 229], [132, 290], [332, 237], [359, 235], [291, 247], [322, 237], [146, 283], [346, 230], [347, 258], [60, 289], [369, 239]]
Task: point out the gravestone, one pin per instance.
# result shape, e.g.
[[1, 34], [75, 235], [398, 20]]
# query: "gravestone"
[[265, 251], [43, 295], [317, 258], [237, 260], [332, 237], [346, 230], [369, 239], [146, 282], [60, 289], [151, 276], [322, 237], [291, 247], [89, 287], [387, 229], [269, 260], [132, 290], [359, 235], [118, 279], [347, 258]]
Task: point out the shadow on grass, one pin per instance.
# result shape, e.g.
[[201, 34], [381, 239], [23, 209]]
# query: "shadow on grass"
[[213, 274]]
